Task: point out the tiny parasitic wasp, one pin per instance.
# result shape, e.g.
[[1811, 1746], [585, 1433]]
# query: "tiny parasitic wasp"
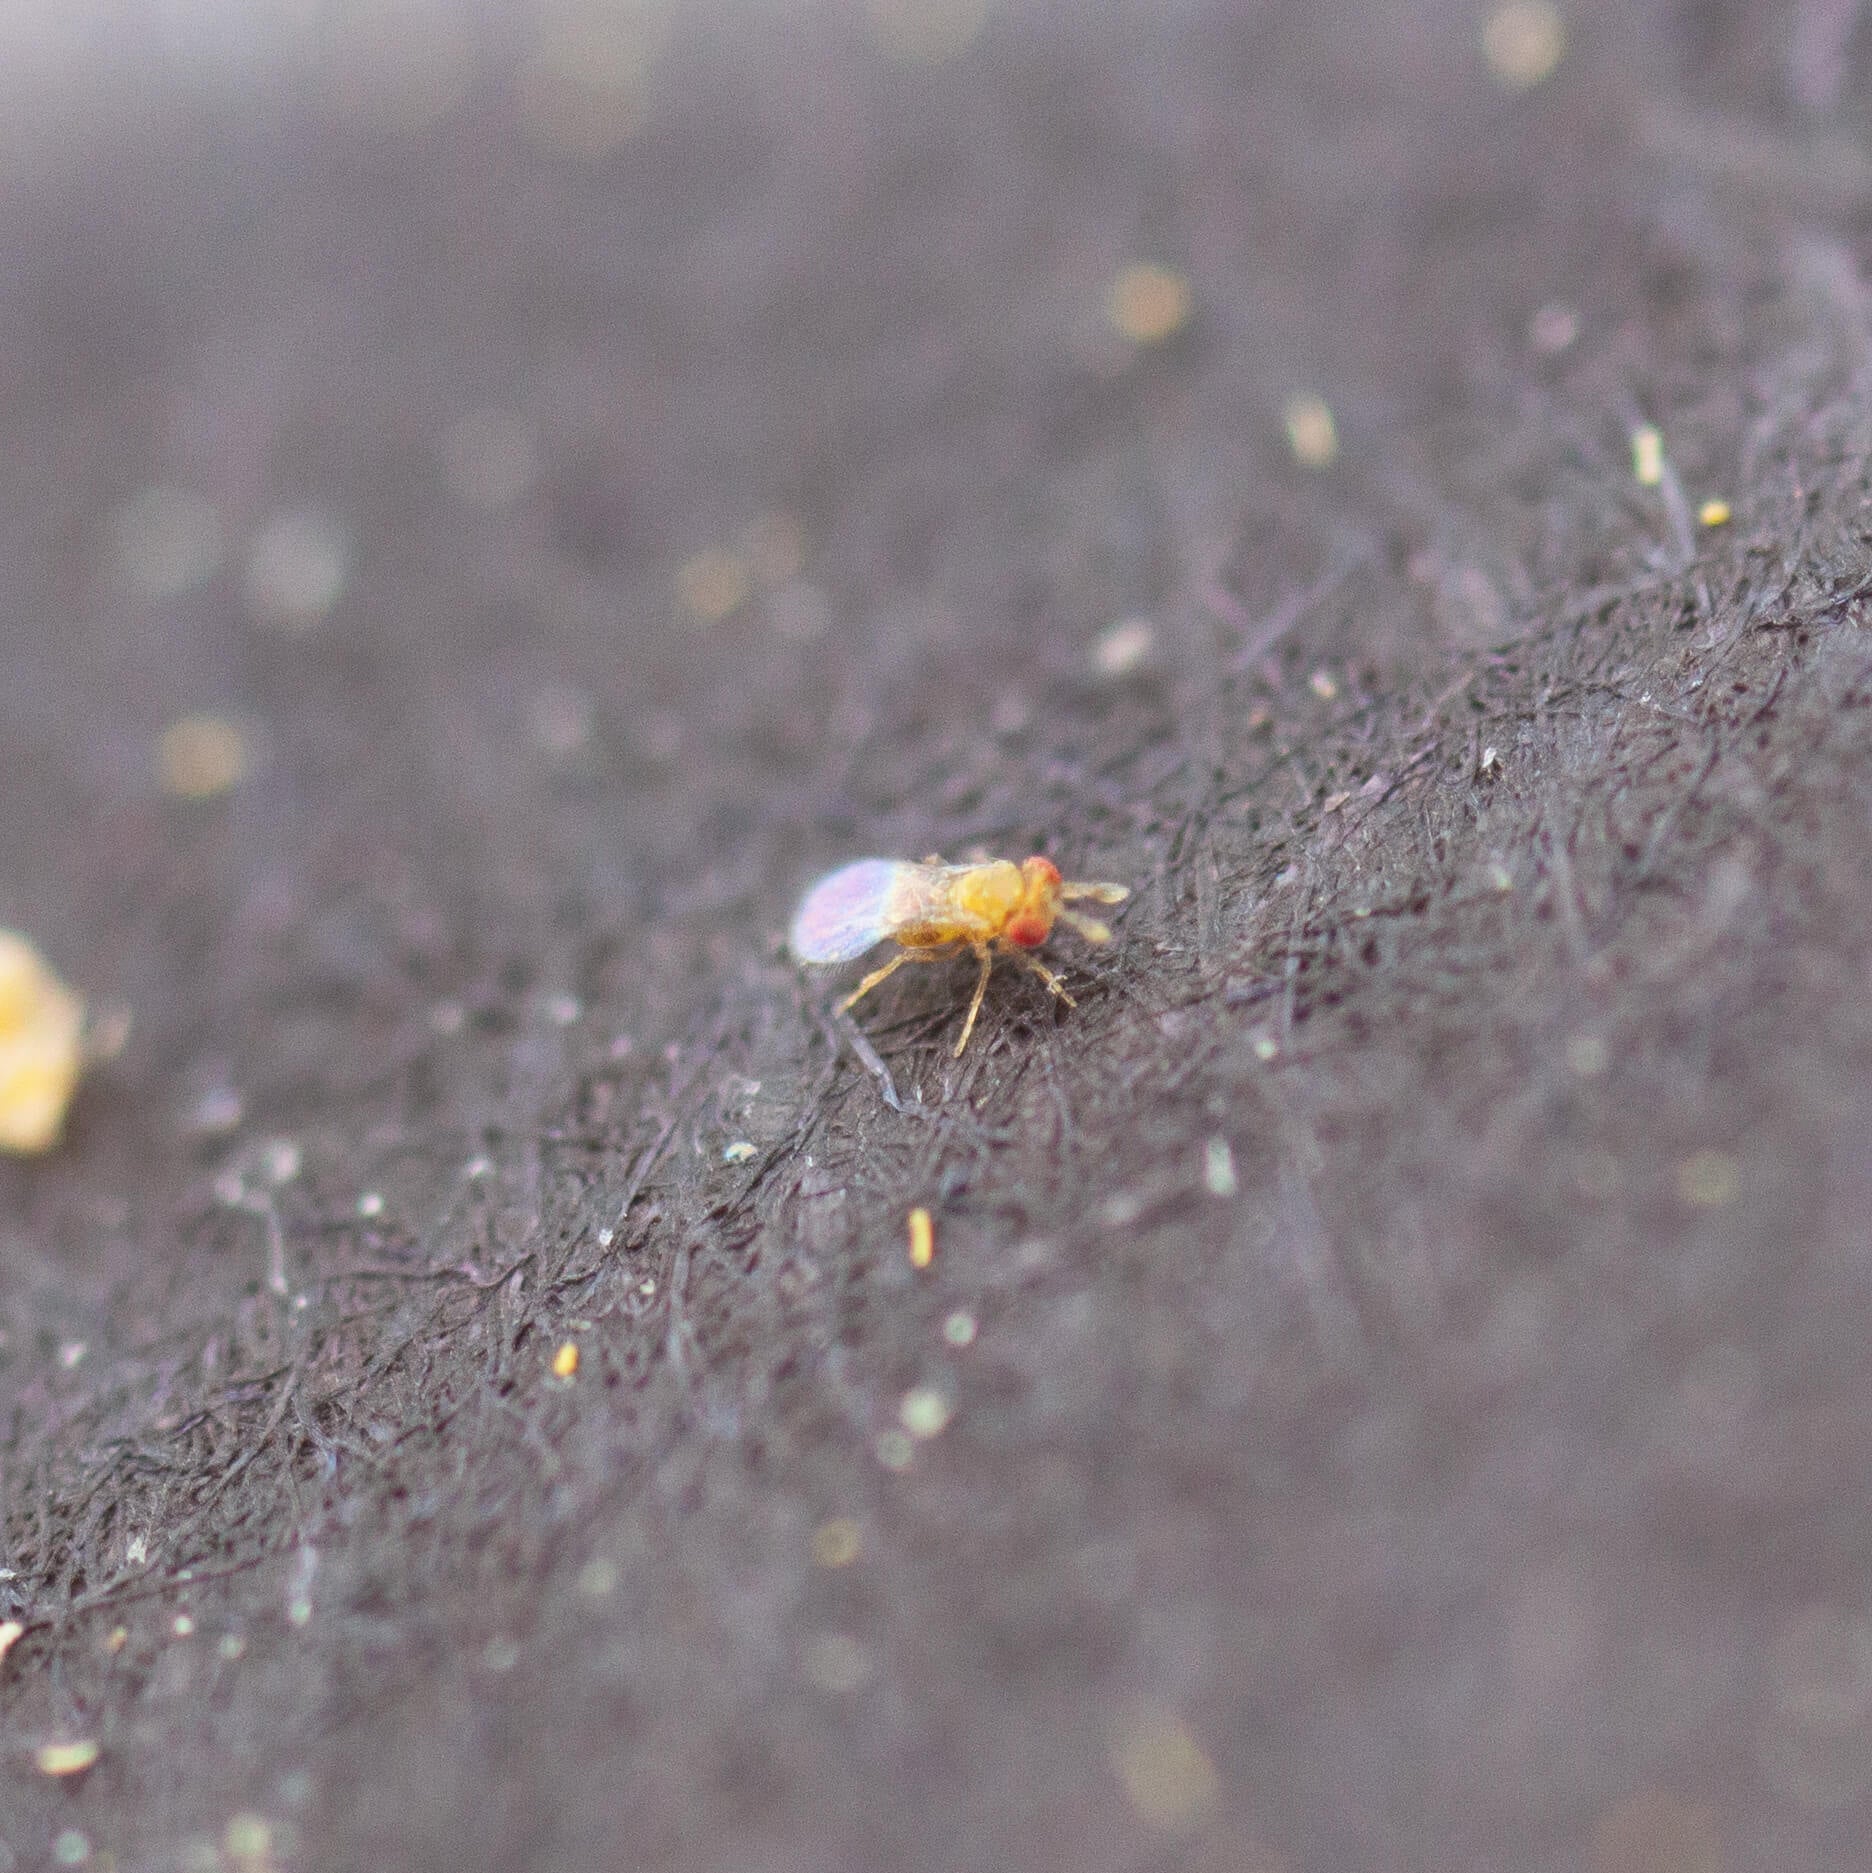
[[934, 911]]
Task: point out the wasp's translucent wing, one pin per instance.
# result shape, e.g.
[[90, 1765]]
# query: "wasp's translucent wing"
[[850, 909]]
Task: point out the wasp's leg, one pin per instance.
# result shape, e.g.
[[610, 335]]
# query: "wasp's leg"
[[890, 968], [1047, 976], [981, 988]]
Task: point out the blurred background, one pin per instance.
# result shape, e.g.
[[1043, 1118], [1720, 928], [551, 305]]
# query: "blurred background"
[[495, 498]]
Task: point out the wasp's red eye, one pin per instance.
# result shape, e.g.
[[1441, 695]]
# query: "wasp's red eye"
[[1027, 933]]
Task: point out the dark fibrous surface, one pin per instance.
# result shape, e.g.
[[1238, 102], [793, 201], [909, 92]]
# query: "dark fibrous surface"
[[1390, 1391]]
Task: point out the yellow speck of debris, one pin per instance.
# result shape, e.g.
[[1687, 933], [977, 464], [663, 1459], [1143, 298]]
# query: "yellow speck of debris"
[[1148, 303], [1311, 432], [65, 1758], [713, 584], [565, 1361], [200, 756], [1164, 1771], [836, 1543], [1714, 513], [1324, 685], [925, 1411], [41, 1047], [739, 1152], [1523, 41], [10, 1633], [922, 1238], [1647, 455], [1708, 1179], [117, 1639]]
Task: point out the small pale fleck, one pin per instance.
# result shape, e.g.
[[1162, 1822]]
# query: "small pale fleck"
[[1011, 713], [1497, 876], [1312, 433], [835, 1661], [248, 1838], [232, 1647], [599, 1577], [117, 1638], [566, 1360], [200, 757], [1148, 303], [739, 1152], [1121, 1209], [1334, 801], [297, 568], [217, 1111], [71, 1352], [165, 540], [836, 1543], [1708, 1179], [1586, 1055], [922, 1238], [1164, 1770], [713, 584], [1219, 1168], [281, 1160], [183, 1626], [11, 1632], [1490, 763], [41, 1048], [894, 1450], [606, 1237], [1714, 513], [66, 1758], [925, 1411], [478, 1168], [1265, 1047], [448, 1018], [960, 1328], [1553, 329], [1647, 455], [1324, 685], [71, 1847], [563, 1011], [1523, 41], [1125, 647], [370, 1204], [299, 1610], [501, 1653]]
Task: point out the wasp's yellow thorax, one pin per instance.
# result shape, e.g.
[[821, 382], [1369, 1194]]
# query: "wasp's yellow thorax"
[[991, 893]]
